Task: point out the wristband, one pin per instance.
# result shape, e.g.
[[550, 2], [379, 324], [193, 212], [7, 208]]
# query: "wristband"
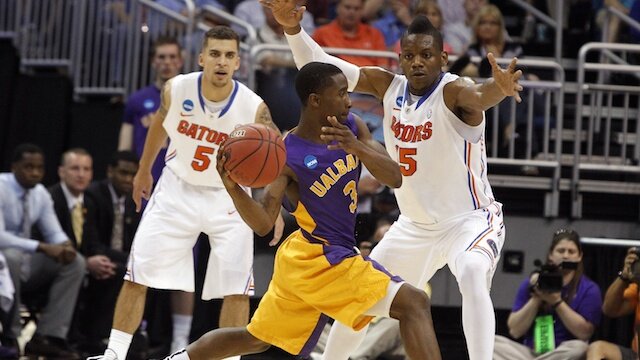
[[621, 277], [557, 304]]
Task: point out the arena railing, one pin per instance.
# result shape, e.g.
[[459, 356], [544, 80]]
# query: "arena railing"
[[9, 15], [551, 93], [609, 144], [43, 31]]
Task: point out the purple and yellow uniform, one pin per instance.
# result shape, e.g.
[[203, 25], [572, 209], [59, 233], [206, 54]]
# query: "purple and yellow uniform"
[[318, 273]]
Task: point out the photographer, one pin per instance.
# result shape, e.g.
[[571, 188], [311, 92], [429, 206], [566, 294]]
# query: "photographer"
[[556, 310], [621, 299]]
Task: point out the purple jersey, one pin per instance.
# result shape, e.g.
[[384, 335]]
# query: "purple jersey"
[[327, 183], [141, 105]]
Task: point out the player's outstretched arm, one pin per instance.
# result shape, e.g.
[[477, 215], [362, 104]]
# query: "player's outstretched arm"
[[156, 138], [367, 80], [370, 152], [468, 100], [260, 216]]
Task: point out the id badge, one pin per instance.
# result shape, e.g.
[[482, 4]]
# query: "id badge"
[[544, 339]]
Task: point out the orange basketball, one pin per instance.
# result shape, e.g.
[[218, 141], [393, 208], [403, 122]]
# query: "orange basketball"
[[255, 155]]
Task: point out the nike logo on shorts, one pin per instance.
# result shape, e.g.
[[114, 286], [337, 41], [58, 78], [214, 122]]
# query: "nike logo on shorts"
[[231, 212]]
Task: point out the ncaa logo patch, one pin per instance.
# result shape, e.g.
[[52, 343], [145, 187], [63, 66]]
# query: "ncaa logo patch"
[[149, 104], [399, 101], [310, 161], [187, 105], [493, 246]]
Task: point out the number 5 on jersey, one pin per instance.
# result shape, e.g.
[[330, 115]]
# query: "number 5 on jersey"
[[202, 159], [408, 164]]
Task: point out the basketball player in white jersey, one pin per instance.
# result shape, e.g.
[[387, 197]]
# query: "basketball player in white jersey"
[[434, 127], [197, 112]]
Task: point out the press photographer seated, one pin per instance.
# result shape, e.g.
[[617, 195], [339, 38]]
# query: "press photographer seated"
[[556, 309]]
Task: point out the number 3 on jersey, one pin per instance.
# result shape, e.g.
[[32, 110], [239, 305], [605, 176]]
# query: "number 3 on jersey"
[[201, 159], [408, 163]]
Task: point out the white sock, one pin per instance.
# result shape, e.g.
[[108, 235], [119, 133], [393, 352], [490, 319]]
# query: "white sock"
[[181, 330], [478, 316], [342, 342], [178, 355], [119, 342]]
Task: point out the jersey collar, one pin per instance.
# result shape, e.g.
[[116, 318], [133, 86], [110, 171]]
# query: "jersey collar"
[[426, 95]]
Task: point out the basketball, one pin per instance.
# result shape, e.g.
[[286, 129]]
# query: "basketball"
[[255, 155]]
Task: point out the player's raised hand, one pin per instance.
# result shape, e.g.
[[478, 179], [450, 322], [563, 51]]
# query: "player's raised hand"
[[339, 136], [286, 12], [506, 79], [142, 187], [221, 159]]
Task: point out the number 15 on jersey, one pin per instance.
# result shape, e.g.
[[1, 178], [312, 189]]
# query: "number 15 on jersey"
[[406, 160]]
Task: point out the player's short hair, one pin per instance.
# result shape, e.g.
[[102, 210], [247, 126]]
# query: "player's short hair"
[[165, 40], [25, 148], [220, 32], [77, 151], [421, 25], [313, 78], [123, 155]]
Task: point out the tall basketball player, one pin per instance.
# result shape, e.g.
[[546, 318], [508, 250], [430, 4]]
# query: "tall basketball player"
[[197, 112], [434, 127]]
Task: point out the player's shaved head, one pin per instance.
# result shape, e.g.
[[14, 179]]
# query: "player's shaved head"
[[313, 78], [422, 26]]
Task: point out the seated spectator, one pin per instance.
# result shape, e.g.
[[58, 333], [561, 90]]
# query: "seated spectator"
[[393, 21], [621, 299], [252, 12], [556, 310], [276, 74], [460, 34], [51, 267], [432, 11], [117, 222], [348, 31]]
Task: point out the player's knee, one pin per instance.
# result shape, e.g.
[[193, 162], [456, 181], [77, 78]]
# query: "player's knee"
[[472, 272], [410, 302], [133, 289], [596, 348], [257, 345]]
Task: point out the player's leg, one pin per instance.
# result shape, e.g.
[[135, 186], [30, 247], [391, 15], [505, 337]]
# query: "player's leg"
[[220, 344], [235, 311], [406, 250], [412, 308], [182, 316], [161, 257], [473, 254]]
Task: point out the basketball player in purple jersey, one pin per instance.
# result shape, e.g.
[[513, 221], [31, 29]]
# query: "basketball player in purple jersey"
[[318, 272], [434, 126]]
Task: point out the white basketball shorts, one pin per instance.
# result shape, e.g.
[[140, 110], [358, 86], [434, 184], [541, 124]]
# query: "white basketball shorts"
[[416, 251], [162, 252]]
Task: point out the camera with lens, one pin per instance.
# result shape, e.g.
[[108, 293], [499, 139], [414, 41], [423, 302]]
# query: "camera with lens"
[[550, 275]]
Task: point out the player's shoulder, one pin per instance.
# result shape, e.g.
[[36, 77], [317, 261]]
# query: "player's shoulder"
[[246, 93]]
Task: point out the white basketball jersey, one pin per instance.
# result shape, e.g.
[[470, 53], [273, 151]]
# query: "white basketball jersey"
[[442, 159], [196, 133]]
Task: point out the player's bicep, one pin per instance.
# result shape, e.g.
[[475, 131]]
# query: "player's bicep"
[[374, 81], [165, 103], [263, 116]]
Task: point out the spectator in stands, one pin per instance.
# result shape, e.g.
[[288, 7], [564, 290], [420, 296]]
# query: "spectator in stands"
[[621, 299], [556, 309], [252, 12], [623, 6], [166, 62], [51, 267], [393, 21], [460, 34], [117, 222], [275, 79], [433, 12], [348, 31], [453, 11]]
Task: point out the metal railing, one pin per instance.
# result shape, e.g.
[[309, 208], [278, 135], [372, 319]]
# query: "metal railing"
[[610, 143], [9, 15], [556, 24]]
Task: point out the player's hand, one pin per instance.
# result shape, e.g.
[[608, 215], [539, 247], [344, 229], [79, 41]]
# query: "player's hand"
[[101, 267], [142, 187], [506, 79], [632, 257], [286, 12], [221, 159], [339, 136], [278, 230]]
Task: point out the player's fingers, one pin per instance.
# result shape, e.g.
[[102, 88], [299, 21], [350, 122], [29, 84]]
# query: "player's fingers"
[[512, 65], [517, 74], [518, 98], [492, 61], [335, 123], [137, 200], [333, 147]]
